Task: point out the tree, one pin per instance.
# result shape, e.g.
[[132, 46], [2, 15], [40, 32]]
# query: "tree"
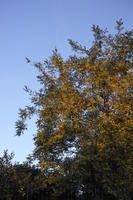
[[6, 172], [20, 181], [85, 111]]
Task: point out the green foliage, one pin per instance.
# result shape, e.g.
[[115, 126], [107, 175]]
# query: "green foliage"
[[85, 113], [6, 172], [20, 181]]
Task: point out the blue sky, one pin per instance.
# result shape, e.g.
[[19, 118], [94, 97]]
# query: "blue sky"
[[33, 28]]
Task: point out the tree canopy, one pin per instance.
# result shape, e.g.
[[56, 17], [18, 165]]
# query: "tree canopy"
[[84, 114]]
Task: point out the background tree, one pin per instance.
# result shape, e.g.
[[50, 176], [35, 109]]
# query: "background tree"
[[20, 181], [6, 171], [85, 112]]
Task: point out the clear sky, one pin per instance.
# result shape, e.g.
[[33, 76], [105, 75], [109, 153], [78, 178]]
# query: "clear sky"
[[33, 28]]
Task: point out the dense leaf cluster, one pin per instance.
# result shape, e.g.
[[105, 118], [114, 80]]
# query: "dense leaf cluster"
[[20, 181]]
